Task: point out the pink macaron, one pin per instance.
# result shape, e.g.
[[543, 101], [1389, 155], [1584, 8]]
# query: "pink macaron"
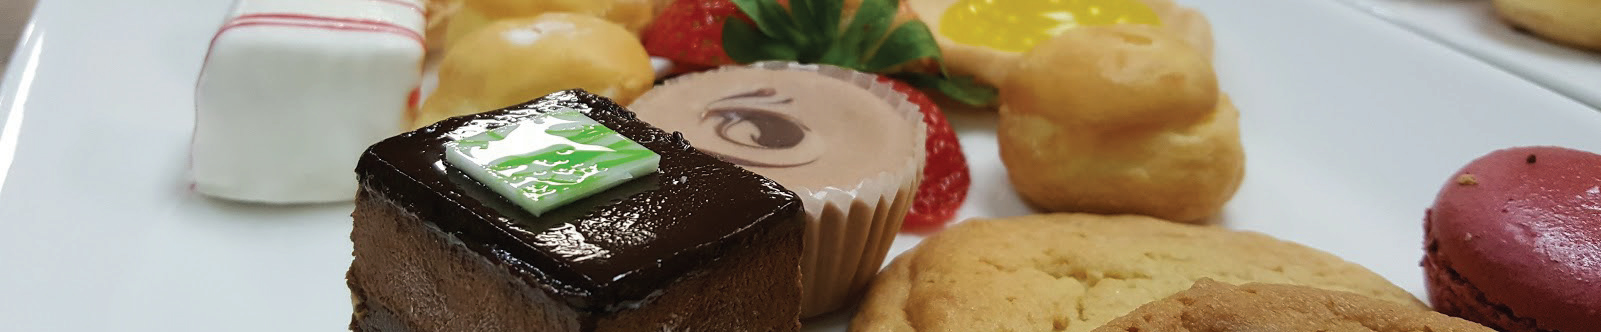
[[1514, 241]]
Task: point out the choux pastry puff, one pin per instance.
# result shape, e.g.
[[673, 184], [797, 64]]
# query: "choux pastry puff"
[[470, 15], [515, 60], [1120, 119]]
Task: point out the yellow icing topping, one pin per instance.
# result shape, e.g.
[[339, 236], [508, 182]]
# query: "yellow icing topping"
[[1017, 25]]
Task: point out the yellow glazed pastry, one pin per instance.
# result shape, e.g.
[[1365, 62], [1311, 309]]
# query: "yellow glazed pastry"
[[1017, 25], [1572, 22], [1139, 128], [985, 38], [512, 61]]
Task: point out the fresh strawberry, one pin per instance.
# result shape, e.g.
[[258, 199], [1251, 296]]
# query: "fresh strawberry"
[[945, 178], [691, 32]]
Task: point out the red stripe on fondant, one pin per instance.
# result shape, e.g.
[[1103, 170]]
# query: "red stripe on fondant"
[[407, 4], [309, 21]]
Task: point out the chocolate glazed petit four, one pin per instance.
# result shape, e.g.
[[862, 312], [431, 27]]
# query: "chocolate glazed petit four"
[[568, 214]]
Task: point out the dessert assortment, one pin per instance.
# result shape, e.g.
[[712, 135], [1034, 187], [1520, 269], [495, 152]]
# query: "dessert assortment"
[[1567, 22], [558, 179], [276, 69]]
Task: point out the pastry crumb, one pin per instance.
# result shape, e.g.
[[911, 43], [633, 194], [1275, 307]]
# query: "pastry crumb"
[[1467, 180]]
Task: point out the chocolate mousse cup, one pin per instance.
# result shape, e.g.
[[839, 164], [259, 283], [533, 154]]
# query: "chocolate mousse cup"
[[699, 245], [850, 146]]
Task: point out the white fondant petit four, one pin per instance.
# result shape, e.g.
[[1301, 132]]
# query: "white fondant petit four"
[[294, 90]]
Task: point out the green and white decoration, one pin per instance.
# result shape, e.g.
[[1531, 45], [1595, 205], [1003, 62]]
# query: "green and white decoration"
[[551, 160]]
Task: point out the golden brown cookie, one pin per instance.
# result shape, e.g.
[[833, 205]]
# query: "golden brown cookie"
[[1214, 306], [1573, 22], [1075, 272], [1138, 128]]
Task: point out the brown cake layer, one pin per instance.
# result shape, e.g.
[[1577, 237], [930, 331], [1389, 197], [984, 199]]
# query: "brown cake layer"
[[700, 245], [1450, 294], [443, 286]]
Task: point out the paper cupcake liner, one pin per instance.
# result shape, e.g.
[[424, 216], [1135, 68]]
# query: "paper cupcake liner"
[[849, 230]]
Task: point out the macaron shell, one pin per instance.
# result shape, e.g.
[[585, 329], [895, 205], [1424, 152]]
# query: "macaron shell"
[[1452, 295], [1523, 226]]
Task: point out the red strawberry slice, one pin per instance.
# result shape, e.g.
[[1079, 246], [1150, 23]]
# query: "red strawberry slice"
[[691, 32], [945, 174]]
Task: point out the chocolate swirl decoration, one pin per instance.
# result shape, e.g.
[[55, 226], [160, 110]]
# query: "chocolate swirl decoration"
[[773, 131]]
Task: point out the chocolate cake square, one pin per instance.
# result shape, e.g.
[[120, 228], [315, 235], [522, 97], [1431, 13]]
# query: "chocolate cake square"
[[699, 245]]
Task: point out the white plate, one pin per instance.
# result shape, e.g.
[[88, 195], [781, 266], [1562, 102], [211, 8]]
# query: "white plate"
[[1472, 27], [1350, 126]]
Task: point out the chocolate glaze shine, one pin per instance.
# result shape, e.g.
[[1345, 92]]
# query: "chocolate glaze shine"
[[599, 253]]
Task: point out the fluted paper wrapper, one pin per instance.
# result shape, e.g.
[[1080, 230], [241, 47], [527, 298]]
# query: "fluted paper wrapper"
[[849, 230]]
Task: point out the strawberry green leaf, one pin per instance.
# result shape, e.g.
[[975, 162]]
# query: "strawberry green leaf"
[[745, 44], [960, 89], [823, 14], [805, 19], [910, 41], [867, 28], [810, 31], [820, 20], [773, 20], [840, 54]]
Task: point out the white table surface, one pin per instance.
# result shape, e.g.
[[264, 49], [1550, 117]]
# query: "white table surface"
[[1471, 27]]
